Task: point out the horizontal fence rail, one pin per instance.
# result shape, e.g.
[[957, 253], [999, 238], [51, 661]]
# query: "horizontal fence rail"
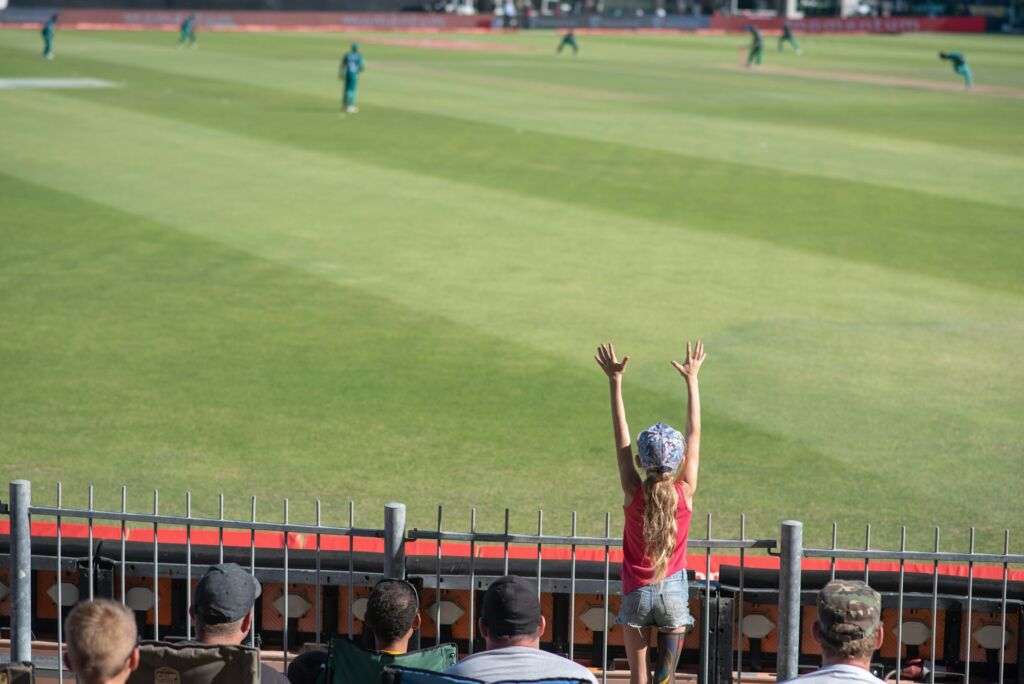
[[733, 593]]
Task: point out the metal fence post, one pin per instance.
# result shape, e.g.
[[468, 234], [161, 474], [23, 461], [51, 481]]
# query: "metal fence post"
[[21, 572], [394, 540], [791, 545]]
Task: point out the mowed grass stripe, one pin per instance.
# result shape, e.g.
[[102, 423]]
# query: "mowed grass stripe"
[[815, 150], [151, 358], [556, 278], [148, 357], [856, 221], [154, 358]]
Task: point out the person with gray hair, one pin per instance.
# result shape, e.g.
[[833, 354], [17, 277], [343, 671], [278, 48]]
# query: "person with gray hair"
[[101, 642], [849, 630]]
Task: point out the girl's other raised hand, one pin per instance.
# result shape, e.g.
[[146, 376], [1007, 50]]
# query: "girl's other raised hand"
[[608, 362], [694, 358]]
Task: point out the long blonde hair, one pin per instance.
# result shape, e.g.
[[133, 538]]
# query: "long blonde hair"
[[660, 502]]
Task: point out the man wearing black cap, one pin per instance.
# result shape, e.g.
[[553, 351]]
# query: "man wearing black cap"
[[512, 625], [222, 610], [849, 629]]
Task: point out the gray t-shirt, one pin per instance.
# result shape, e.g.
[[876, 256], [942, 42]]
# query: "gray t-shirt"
[[849, 674], [519, 662]]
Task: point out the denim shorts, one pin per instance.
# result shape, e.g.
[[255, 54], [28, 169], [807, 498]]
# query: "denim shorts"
[[668, 608]]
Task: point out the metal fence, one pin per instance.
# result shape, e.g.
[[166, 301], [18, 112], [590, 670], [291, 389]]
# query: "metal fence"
[[1002, 603], [492, 554]]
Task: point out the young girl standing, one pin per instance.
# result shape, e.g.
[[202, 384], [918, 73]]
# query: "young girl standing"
[[658, 506]]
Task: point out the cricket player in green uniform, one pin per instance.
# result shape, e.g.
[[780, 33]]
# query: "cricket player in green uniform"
[[352, 65], [787, 37], [47, 33], [188, 31], [756, 47], [959, 66], [569, 38]]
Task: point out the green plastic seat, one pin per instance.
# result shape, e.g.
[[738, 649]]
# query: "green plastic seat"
[[349, 663]]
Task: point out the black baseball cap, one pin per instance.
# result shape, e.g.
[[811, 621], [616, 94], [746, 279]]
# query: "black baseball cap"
[[511, 607], [225, 593]]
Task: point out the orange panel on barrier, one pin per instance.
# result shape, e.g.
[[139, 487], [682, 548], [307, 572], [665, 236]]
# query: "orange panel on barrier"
[[273, 619], [912, 618], [45, 606], [808, 616], [992, 620], [163, 586], [357, 624], [770, 643], [585, 602]]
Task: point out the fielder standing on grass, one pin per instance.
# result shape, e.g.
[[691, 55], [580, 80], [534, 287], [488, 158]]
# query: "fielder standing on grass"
[[188, 31], [787, 37], [756, 47], [352, 65], [48, 28], [569, 38], [959, 66]]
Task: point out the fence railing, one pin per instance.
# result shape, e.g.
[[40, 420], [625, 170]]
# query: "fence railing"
[[568, 567]]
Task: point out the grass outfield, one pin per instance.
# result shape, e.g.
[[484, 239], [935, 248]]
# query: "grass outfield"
[[213, 281]]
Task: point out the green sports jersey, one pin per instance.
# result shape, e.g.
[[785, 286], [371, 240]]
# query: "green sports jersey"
[[351, 64]]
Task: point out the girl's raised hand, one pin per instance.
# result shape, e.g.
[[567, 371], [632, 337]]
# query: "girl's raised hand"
[[694, 358], [606, 359]]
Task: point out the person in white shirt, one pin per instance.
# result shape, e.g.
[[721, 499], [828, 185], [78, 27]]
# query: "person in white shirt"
[[511, 624], [849, 629]]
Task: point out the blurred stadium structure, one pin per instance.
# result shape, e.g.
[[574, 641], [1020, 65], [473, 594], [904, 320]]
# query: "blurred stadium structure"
[[874, 15]]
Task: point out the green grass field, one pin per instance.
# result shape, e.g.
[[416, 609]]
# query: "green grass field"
[[212, 281]]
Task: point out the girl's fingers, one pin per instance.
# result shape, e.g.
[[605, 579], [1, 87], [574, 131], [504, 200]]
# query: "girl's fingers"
[[625, 360]]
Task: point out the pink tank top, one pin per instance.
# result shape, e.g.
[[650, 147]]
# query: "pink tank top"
[[636, 566]]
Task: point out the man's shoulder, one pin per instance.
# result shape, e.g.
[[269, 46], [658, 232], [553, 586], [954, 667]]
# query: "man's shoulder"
[[269, 674], [523, 662], [839, 673]]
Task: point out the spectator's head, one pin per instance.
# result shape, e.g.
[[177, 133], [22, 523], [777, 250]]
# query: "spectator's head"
[[660, 451], [305, 667], [392, 612], [222, 604], [101, 638], [510, 615], [849, 624]]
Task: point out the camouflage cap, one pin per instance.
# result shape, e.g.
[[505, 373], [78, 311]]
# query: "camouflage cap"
[[848, 610]]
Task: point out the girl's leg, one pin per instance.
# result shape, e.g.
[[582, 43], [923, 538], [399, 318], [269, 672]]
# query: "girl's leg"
[[636, 651], [670, 647]]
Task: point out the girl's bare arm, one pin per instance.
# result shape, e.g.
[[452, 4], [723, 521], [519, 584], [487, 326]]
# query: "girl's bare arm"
[[695, 356], [613, 368]]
